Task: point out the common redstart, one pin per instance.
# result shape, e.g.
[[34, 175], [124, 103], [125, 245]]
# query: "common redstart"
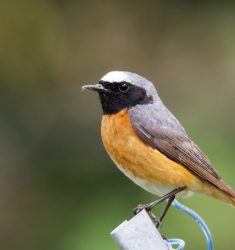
[[149, 145]]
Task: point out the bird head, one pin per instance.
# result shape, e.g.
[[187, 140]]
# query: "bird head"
[[120, 89]]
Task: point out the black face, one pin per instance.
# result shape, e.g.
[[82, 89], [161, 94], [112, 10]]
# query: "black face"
[[118, 95]]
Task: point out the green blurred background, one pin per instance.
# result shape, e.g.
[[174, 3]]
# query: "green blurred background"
[[58, 188]]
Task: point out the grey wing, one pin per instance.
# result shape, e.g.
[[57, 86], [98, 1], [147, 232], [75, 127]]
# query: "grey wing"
[[179, 147]]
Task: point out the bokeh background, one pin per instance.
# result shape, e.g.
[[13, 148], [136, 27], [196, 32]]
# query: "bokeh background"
[[58, 188]]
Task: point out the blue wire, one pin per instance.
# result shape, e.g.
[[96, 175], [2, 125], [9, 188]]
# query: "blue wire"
[[180, 243], [198, 219]]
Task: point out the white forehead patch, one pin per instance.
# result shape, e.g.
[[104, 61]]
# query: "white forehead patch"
[[116, 76]]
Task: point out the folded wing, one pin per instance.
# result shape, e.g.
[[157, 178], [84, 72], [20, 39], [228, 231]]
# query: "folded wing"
[[180, 148]]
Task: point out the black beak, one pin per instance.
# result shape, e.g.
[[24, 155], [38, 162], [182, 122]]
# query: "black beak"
[[96, 87]]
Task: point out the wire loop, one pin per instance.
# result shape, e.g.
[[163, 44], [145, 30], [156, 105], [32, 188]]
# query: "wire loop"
[[200, 222]]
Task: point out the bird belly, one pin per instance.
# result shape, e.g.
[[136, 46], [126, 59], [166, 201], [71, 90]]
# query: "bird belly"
[[152, 187], [145, 166]]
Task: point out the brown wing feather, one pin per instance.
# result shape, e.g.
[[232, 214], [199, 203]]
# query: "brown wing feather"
[[178, 147]]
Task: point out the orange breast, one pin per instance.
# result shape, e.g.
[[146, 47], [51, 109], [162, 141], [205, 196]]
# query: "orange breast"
[[138, 159]]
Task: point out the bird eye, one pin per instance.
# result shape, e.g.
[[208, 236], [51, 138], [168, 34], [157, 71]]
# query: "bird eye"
[[123, 87]]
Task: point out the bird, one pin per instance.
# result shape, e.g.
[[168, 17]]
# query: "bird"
[[150, 146]]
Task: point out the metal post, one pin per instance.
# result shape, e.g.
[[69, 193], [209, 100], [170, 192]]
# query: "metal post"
[[139, 233]]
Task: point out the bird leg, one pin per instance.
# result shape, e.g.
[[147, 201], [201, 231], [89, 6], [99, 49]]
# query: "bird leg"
[[168, 204], [148, 207]]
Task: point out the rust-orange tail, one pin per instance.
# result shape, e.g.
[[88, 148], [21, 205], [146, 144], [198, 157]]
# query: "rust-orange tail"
[[233, 201], [223, 192]]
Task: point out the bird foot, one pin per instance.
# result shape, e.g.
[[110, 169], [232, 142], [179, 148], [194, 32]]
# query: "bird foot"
[[155, 220], [148, 208], [140, 207]]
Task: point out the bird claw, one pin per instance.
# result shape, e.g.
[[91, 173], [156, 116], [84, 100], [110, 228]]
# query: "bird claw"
[[147, 207], [140, 207], [155, 220]]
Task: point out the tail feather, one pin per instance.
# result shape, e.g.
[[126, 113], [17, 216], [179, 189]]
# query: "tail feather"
[[227, 195], [233, 201]]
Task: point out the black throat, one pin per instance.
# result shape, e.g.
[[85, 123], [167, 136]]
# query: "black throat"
[[115, 102]]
